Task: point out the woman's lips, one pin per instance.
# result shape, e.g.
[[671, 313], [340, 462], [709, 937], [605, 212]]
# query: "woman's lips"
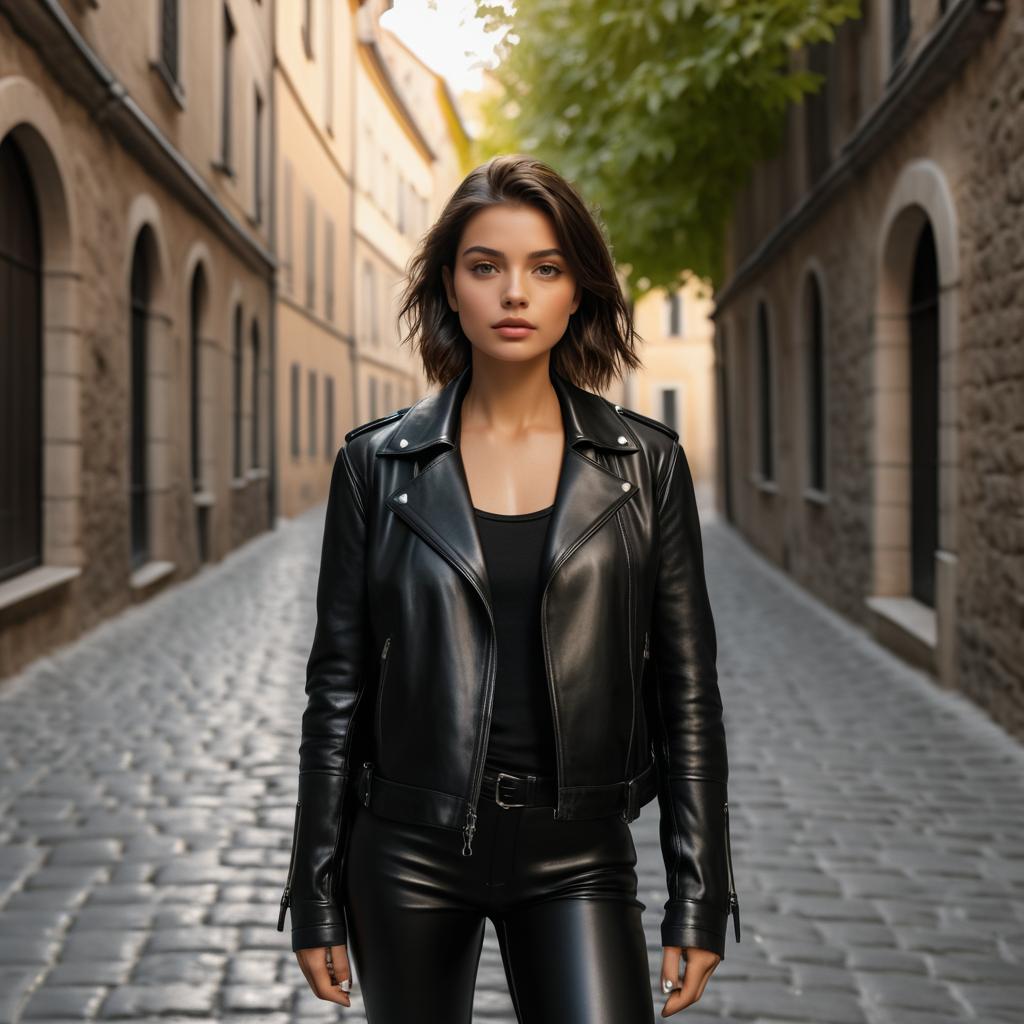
[[507, 331]]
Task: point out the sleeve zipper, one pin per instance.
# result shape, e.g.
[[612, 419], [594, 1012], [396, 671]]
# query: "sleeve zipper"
[[734, 903], [286, 895]]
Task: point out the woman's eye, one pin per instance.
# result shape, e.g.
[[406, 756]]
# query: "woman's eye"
[[550, 266], [479, 265]]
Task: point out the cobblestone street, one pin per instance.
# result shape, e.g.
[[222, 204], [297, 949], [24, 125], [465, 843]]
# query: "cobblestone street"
[[147, 798]]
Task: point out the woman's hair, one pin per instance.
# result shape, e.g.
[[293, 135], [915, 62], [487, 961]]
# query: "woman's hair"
[[600, 337]]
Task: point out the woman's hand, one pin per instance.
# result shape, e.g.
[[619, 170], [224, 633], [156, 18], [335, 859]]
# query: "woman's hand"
[[700, 964], [326, 970]]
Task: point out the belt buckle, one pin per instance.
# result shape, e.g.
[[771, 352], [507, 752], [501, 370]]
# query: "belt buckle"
[[497, 791]]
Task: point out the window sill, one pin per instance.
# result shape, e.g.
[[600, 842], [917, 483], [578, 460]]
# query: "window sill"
[[203, 499], [222, 168], [33, 582], [177, 93], [906, 626], [763, 485], [151, 573], [815, 497]]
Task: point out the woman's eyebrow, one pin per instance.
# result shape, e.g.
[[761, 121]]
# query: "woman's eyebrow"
[[497, 252]]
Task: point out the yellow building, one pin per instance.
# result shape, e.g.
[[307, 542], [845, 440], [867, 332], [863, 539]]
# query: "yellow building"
[[314, 92]]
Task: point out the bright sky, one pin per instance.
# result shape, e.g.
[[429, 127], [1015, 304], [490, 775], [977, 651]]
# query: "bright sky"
[[446, 36]]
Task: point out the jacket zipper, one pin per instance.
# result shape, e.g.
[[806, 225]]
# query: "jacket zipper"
[[286, 895], [647, 651], [734, 903], [476, 772], [380, 692]]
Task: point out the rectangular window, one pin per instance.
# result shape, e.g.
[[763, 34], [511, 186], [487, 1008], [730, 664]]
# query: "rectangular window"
[[296, 412], [310, 250], [307, 27], [169, 37], [669, 410], [225, 97], [329, 418], [312, 412], [329, 67], [287, 201], [329, 269], [257, 160]]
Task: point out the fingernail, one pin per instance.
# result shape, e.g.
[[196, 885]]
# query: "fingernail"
[[666, 985], [346, 985]]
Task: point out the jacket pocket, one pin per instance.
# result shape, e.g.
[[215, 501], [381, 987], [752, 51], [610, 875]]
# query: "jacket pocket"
[[286, 895], [734, 903], [382, 677]]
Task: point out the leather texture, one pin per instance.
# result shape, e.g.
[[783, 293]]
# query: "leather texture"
[[400, 676], [562, 896]]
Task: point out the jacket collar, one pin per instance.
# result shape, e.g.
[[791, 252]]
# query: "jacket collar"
[[436, 502], [588, 419]]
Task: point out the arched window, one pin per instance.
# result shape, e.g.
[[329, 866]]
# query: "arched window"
[[140, 294], [254, 445], [924, 416], [815, 376], [236, 407], [196, 309], [21, 407], [765, 410]]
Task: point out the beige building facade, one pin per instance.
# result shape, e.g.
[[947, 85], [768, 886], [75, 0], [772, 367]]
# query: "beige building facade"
[[136, 274], [676, 384], [869, 345], [314, 159]]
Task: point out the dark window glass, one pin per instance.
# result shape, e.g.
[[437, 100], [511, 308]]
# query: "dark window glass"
[[765, 382]]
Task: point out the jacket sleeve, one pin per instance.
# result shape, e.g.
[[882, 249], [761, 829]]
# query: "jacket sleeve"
[[334, 685], [689, 734]]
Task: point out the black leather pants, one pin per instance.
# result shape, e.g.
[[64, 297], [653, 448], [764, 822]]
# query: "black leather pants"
[[561, 895]]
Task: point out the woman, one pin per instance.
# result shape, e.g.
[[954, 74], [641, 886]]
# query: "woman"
[[514, 651]]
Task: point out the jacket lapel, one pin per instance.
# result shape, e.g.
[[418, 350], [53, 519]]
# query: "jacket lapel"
[[436, 502]]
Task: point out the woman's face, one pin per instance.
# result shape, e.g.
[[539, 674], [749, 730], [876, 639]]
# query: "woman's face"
[[509, 264]]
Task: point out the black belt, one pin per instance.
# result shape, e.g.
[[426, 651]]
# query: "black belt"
[[509, 790]]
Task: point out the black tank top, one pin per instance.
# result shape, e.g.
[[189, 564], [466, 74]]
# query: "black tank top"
[[522, 737]]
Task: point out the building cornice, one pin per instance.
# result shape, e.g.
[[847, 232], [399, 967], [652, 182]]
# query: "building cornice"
[[910, 89], [79, 69]]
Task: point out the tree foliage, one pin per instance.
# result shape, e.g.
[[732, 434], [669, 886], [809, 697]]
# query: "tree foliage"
[[655, 109]]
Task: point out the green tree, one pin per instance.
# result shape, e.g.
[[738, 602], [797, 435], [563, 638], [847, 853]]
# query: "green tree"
[[655, 109]]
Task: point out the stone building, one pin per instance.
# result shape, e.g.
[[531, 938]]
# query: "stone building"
[[135, 280], [869, 347]]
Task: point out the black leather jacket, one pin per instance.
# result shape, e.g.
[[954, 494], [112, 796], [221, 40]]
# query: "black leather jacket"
[[400, 677]]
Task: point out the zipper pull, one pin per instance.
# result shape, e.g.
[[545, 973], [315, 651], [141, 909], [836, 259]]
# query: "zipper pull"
[[734, 908], [647, 652], [285, 900], [384, 652], [468, 831]]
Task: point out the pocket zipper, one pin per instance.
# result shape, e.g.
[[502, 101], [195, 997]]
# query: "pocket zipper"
[[380, 689], [647, 650], [286, 896], [734, 903]]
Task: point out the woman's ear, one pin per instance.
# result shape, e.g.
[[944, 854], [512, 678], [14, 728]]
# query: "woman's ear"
[[449, 287], [577, 299]]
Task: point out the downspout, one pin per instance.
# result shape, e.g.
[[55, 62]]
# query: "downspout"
[[272, 482]]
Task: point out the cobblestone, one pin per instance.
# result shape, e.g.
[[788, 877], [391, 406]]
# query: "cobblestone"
[[148, 786]]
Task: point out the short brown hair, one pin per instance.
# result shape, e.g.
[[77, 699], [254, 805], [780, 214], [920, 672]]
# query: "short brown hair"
[[600, 338]]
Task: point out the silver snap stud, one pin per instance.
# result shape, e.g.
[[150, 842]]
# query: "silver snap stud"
[[403, 443], [626, 486], [623, 439], [403, 498], [618, 408]]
